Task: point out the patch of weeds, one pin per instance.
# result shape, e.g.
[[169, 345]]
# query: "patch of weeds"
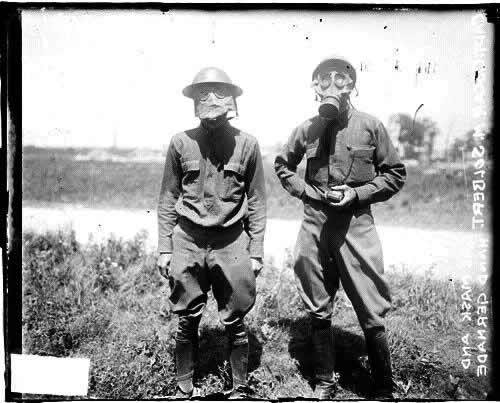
[[108, 303], [139, 366], [110, 261], [430, 302]]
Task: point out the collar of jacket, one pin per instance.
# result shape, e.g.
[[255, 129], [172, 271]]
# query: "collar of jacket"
[[223, 129]]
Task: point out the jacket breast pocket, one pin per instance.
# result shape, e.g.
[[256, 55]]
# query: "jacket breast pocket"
[[191, 176], [233, 181], [317, 165], [363, 168]]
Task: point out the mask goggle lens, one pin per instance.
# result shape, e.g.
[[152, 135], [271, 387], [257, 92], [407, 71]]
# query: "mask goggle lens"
[[219, 92], [340, 80], [325, 80]]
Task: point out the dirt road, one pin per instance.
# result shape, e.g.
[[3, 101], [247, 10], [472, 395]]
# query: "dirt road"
[[450, 254]]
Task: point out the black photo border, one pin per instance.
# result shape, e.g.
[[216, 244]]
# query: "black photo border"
[[11, 145]]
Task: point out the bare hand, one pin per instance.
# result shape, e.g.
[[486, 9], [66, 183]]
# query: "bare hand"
[[163, 263], [350, 196], [257, 265]]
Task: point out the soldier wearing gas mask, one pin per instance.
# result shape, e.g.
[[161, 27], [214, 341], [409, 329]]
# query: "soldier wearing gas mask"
[[351, 163], [211, 219]]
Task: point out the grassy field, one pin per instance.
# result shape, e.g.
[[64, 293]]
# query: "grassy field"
[[439, 199], [108, 303]]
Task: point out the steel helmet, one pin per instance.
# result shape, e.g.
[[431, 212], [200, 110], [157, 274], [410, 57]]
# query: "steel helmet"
[[211, 75], [336, 63]]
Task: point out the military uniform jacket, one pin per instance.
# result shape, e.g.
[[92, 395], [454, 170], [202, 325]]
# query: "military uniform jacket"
[[356, 151], [213, 178]]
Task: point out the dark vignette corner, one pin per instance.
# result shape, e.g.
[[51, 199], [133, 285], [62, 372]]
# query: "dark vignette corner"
[[11, 178]]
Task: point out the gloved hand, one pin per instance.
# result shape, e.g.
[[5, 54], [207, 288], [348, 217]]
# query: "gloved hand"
[[163, 263]]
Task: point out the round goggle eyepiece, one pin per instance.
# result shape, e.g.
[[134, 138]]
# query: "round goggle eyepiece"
[[325, 80], [220, 92], [340, 80]]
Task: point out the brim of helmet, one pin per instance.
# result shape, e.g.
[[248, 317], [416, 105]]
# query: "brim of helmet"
[[332, 64], [188, 91]]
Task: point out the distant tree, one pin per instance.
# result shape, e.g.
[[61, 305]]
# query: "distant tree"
[[415, 136], [467, 143], [455, 151], [411, 132]]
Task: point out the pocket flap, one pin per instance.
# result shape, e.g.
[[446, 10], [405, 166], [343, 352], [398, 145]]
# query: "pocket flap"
[[234, 167], [362, 151], [193, 165]]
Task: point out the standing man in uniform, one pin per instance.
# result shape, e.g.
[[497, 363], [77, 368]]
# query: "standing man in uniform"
[[211, 219], [351, 163]]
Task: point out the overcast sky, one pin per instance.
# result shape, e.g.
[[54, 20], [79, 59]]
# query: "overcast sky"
[[98, 78]]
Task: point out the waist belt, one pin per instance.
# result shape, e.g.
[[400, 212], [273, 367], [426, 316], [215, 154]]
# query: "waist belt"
[[199, 230]]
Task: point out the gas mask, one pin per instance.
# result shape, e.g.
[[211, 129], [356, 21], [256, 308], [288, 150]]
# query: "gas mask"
[[213, 101], [332, 90]]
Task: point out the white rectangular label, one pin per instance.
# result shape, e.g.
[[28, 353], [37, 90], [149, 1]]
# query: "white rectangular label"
[[49, 375]]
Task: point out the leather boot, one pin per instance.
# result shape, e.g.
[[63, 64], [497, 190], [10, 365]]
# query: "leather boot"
[[186, 348], [184, 357], [324, 360], [238, 359], [380, 363], [239, 367]]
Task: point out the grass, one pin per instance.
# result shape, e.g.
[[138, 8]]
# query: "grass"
[[437, 199], [107, 302]]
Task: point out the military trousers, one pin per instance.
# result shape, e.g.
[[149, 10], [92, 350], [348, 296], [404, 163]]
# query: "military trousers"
[[211, 258], [335, 246]]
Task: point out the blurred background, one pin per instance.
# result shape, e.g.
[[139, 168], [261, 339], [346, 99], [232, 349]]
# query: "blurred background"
[[102, 97]]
